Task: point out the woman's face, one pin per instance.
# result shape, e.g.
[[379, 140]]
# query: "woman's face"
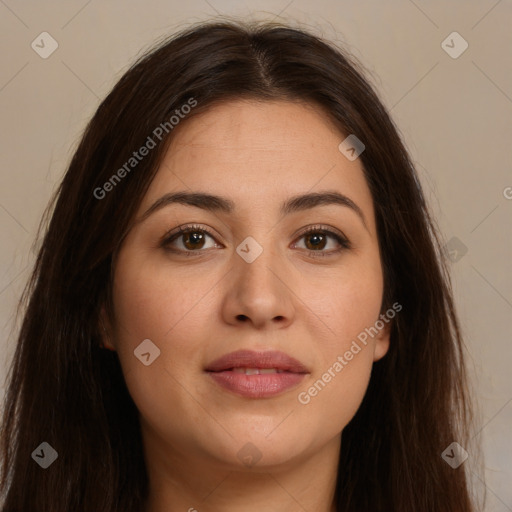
[[256, 283]]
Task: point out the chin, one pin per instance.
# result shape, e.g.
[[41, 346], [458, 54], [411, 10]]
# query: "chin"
[[254, 451]]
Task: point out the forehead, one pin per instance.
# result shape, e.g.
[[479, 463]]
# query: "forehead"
[[270, 127], [259, 153]]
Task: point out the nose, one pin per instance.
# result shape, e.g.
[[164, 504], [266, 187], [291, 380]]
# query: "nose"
[[259, 293]]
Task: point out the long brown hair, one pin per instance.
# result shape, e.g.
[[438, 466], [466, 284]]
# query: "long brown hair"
[[65, 390]]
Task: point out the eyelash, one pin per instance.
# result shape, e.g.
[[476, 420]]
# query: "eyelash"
[[175, 234]]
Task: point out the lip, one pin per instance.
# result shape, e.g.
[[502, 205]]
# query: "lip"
[[292, 372], [254, 359]]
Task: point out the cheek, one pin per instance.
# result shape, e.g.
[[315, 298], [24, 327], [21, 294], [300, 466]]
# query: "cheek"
[[335, 390], [347, 301], [349, 308], [333, 398], [171, 307], [152, 300]]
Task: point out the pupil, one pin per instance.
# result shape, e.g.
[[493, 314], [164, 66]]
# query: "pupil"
[[195, 237]]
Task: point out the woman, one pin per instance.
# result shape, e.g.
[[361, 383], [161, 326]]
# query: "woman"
[[240, 301]]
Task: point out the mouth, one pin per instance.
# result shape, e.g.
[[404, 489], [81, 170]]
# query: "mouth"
[[257, 374]]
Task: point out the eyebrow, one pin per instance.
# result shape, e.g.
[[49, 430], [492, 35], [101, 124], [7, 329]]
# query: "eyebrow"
[[214, 203]]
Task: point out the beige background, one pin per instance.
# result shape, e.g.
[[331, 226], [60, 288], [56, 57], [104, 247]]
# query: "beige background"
[[455, 116]]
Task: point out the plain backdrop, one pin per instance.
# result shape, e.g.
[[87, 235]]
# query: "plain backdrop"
[[453, 109]]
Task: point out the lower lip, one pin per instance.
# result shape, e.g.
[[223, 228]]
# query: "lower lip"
[[259, 385]]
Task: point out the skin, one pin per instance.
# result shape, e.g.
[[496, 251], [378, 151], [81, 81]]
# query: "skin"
[[257, 154]]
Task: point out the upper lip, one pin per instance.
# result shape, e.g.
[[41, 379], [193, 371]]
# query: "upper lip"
[[252, 359]]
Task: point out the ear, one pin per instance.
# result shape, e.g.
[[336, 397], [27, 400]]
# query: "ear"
[[381, 346], [105, 330]]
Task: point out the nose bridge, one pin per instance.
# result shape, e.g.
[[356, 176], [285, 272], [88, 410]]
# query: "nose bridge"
[[257, 261], [258, 291]]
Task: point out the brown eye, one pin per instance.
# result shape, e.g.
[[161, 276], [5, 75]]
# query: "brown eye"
[[187, 239], [317, 239], [193, 240]]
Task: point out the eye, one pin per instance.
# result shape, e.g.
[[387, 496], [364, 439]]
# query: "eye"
[[316, 239], [193, 238]]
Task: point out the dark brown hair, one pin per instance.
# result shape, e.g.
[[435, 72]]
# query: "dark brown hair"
[[65, 390]]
